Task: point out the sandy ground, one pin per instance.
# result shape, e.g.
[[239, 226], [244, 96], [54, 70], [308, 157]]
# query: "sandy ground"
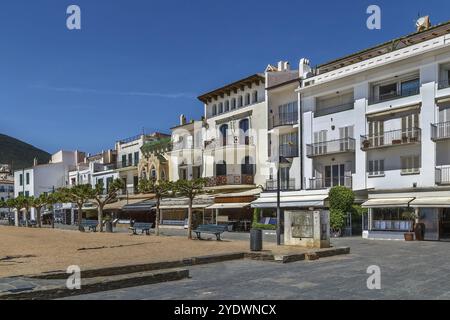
[[26, 251]]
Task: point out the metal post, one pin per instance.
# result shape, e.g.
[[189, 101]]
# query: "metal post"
[[278, 203]]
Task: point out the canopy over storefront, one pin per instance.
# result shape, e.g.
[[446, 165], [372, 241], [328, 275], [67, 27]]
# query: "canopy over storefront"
[[431, 202], [237, 205], [295, 201], [387, 202], [145, 205]]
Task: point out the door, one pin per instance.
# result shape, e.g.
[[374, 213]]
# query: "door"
[[334, 175], [444, 226], [430, 218], [320, 138], [376, 133], [409, 125], [345, 134]]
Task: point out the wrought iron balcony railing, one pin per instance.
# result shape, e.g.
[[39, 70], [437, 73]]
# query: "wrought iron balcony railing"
[[443, 176], [323, 111], [231, 179], [391, 138], [325, 183], [330, 147], [285, 185], [289, 151], [443, 84], [440, 131], [283, 119]]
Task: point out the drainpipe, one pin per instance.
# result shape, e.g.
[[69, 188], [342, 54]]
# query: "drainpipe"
[[301, 139]]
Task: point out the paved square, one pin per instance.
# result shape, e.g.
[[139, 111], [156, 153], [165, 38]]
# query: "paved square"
[[409, 270]]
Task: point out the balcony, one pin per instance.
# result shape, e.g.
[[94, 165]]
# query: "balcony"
[[391, 138], [283, 119], [394, 95], [326, 183], [443, 84], [443, 176], [127, 165], [286, 185], [323, 111], [234, 141], [230, 180], [346, 145], [289, 151], [440, 131]]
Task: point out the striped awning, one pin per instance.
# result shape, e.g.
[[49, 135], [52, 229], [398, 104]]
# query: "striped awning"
[[388, 203]]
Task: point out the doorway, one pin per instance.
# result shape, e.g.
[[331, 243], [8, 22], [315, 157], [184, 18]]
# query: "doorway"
[[444, 224]]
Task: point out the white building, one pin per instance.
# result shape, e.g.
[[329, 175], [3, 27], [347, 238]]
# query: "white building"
[[46, 177], [6, 187], [378, 122]]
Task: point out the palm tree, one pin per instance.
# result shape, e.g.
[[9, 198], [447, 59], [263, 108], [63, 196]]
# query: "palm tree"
[[190, 189], [103, 199], [160, 189], [79, 194]]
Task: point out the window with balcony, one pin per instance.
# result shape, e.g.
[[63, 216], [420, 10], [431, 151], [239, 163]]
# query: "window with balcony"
[[130, 159], [244, 126], [220, 111], [124, 161], [136, 159], [233, 103], [334, 104], [395, 88], [441, 130], [247, 99], [289, 145], [214, 110], [223, 134], [240, 101], [410, 164], [444, 76], [255, 96], [227, 105]]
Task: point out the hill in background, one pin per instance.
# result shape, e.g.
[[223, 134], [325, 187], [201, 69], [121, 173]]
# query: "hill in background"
[[19, 153]]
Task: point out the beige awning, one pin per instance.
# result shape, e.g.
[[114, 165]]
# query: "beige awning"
[[176, 206], [120, 204], [443, 101], [306, 201], [387, 202], [431, 202], [389, 112], [229, 205]]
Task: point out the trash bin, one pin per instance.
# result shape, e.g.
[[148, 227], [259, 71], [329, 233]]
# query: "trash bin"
[[256, 240], [109, 227]]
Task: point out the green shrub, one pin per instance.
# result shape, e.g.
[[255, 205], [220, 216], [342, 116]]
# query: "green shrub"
[[358, 211], [264, 226], [256, 215], [341, 201], [337, 219]]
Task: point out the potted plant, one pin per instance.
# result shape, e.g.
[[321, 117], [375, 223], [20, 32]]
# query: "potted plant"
[[366, 144], [409, 216], [397, 141]]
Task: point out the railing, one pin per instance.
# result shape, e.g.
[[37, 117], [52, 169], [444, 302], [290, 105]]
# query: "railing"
[[443, 175], [391, 225], [230, 141], [284, 119], [230, 180], [391, 138], [395, 95], [123, 165], [443, 84], [440, 131], [323, 111], [325, 183], [285, 185], [330, 147], [289, 150], [127, 191]]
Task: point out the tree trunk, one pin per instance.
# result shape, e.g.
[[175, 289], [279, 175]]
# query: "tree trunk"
[[80, 217], [26, 217], [158, 215], [16, 218], [38, 217], [100, 217], [190, 220]]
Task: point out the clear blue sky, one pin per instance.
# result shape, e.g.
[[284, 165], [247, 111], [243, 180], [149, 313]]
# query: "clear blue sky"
[[140, 63]]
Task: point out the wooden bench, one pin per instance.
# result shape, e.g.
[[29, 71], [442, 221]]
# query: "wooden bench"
[[144, 227], [216, 230], [90, 224]]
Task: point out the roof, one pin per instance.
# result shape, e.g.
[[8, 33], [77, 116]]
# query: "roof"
[[256, 78], [389, 46]]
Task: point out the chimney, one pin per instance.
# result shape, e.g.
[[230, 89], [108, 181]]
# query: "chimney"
[[35, 162], [182, 120], [304, 68]]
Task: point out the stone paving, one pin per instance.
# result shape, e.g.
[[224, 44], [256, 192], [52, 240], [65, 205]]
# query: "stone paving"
[[415, 270]]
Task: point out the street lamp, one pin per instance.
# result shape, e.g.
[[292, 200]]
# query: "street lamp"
[[282, 163]]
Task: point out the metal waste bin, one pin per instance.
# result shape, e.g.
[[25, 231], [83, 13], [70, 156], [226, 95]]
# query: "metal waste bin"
[[256, 240], [109, 227]]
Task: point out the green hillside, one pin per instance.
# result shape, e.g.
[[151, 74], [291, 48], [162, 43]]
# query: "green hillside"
[[19, 153]]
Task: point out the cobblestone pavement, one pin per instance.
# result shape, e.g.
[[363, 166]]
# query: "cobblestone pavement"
[[409, 270]]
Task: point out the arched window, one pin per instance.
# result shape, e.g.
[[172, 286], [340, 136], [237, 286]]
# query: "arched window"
[[240, 102], [244, 126], [153, 174], [248, 167], [221, 169], [247, 99], [233, 103], [220, 107], [214, 110], [223, 134], [227, 105], [255, 96]]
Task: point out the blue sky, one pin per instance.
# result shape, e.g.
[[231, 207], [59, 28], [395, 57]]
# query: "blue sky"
[[141, 63]]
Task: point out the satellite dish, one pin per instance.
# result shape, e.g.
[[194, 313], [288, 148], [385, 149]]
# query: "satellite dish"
[[423, 23]]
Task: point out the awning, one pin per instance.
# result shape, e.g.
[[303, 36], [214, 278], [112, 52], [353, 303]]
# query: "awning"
[[387, 202], [431, 202], [176, 206], [120, 204], [443, 101], [229, 205], [145, 205], [389, 112], [291, 202]]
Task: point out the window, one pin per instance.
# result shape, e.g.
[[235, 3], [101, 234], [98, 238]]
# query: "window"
[[153, 174], [240, 101], [223, 134], [233, 103], [255, 96], [227, 105], [136, 158], [247, 99], [27, 194], [220, 107], [388, 91], [27, 178], [221, 169], [376, 133], [196, 172], [335, 175], [320, 146], [124, 160], [410, 164], [410, 87], [244, 126], [21, 179], [334, 104], [248, 168], [73, 181], [130, 159], [214, 110], [376, 168], [410, 124], [109, 181]]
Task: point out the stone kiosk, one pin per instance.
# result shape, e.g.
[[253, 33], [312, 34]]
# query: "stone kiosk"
[[307, 228]]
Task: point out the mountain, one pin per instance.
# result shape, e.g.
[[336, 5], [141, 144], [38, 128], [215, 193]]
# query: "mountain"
[[20, 154]]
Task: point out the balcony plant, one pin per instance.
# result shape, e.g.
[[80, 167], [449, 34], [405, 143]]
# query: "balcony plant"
[[409, 216], [366, 144], [397, 141]]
